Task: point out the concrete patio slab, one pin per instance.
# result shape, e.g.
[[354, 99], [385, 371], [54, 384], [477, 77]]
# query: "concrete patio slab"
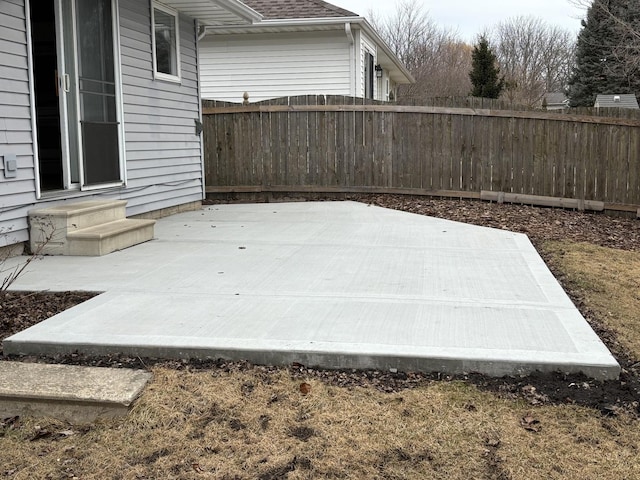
[[329, 284]]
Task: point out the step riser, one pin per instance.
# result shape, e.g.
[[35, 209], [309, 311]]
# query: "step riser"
[[103, 246], [87, 214]]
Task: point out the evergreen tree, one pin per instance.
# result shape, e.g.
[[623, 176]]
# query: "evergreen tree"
[[606, 62], [485, 72]]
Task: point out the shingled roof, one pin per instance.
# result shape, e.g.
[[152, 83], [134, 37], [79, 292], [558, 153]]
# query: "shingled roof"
[[290, 9], [628, 100]]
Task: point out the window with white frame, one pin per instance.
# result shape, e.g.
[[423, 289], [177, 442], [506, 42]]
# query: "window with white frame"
[[166, 45]]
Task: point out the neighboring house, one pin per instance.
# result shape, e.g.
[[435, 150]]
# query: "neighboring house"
[[100, 99], [300, 47], [617, 101], [556, 101]]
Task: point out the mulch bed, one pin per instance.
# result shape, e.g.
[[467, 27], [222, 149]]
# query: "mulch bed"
[[19, 310]]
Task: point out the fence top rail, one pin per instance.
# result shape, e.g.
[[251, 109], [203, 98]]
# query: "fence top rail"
[[421, 109]]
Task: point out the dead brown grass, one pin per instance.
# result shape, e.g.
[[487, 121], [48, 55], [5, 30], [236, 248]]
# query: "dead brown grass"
[[256, 423], [607, 282]]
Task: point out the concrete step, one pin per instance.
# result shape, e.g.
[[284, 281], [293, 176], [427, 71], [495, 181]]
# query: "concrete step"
[[72, 393], [93, 227], [109, 237]]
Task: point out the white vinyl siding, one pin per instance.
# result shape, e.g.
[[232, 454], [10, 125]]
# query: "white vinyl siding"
[[274, 65], [163, 152], [16, 194]]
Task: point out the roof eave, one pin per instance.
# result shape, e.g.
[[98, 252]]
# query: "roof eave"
[[206, 8], [241, 10]]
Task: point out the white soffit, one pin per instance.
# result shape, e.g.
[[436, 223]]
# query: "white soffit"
[[215, 12]]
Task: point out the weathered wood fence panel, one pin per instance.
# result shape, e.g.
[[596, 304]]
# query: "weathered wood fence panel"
[[318, 143]]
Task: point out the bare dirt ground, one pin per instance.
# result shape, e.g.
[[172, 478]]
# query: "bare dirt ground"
[[241, 421]]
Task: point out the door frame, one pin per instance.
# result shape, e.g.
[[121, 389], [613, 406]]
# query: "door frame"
[[68, 186]]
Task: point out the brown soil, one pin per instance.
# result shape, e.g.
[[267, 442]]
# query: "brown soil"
[[20, 310]]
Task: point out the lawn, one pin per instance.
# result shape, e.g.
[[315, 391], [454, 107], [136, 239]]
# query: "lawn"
[[237, 421]]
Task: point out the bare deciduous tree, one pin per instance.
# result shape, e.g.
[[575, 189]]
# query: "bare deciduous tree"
[[438, 60], [534, 57]]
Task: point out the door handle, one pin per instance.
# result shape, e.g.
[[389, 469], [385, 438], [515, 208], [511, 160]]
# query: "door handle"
[[66, 83]]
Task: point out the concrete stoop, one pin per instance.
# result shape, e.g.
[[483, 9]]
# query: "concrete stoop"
[[67, 392], [86, 228]]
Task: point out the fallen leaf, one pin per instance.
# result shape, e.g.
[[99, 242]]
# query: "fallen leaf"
[[197, 468], [11, 422], [305, 388], [40, 434], [530, 423]]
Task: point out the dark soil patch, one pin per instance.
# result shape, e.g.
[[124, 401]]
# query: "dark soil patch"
[[19, 310], [302, 433], [281, 471]]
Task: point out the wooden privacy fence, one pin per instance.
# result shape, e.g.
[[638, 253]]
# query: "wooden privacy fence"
[[333, 144]]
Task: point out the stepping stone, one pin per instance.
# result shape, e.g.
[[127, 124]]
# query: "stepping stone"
[[66, 392]]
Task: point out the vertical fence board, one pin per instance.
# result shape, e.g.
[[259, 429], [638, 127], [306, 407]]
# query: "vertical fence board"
[[396, 151], [613, 170], [528, 159], [447, 149], [368, 163], [413, 159], [581, 161], [590, 163], [310, 135], [341, 128], [518, 151], [266, 146], [633, 156], [356, 165], [538, 156], [377, 152], [506, 157], [456, 150], [600, 162], [426, 152], [622, 157], [387, 168]]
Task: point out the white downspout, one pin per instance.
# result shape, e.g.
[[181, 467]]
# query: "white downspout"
[[352, 58], [200, 33]]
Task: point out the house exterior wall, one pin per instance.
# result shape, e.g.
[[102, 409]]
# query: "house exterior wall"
[[274, 65], [163, 157], [15, 123], [163, 153]]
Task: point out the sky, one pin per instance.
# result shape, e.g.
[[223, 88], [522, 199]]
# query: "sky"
[[470, 17]]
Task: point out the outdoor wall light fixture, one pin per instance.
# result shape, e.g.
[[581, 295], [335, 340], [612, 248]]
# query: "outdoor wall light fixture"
[[378, 71]]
